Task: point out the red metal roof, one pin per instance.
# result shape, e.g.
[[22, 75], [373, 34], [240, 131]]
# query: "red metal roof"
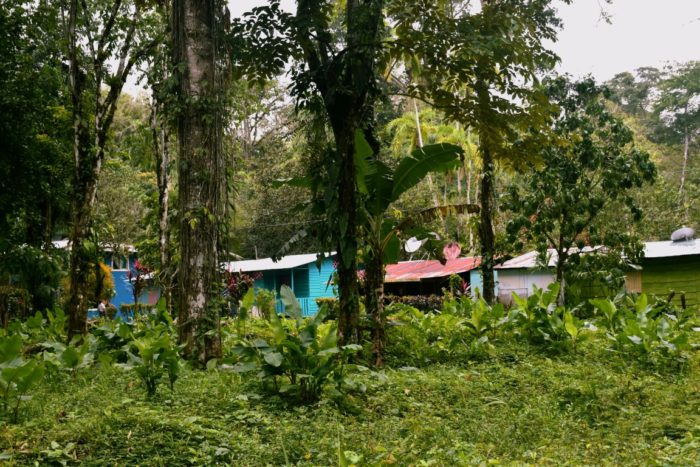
[[414, 271]]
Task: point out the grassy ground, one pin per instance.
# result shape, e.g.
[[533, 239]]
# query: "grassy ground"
[[516, 407]]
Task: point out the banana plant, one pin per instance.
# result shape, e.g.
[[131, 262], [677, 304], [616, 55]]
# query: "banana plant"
[[381, 186]]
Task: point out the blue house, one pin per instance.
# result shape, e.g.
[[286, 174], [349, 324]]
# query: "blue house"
[[307, 275], [120, 262]]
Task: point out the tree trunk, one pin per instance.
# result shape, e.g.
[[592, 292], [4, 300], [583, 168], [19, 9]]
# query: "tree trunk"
[[486, 235], [78, 270], [374, 304], [681, 193], [348, 300], [161, 149], [561, 261], [199, 177]]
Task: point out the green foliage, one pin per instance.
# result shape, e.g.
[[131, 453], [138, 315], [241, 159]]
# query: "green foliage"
[[656, 334], [542, 322], [70, 357], [17, 374], [300, 361], [592, 163], [421, 302], [151, 355]]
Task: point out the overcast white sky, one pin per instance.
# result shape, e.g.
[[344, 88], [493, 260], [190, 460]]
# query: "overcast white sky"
[[642, 33]]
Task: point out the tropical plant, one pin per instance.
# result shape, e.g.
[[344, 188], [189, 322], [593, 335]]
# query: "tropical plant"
[[542, 322], [298, 362], [70, 357], [152, 355], [381, 186], [17, 374], [652, 333]]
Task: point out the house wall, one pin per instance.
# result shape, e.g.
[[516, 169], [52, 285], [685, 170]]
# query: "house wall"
[[680, 274], [522, 282], [476, 282], [308, 283]]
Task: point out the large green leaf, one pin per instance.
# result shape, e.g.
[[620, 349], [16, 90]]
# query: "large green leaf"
[[364, 166], [290, 302], [432, 158]]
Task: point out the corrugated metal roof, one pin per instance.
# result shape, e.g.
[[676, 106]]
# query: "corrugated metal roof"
[[669, 249], [414, 271], [266, 264], [529, 261]]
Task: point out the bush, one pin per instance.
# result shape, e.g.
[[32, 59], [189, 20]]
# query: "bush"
[[133, 309], [654, 334], [421, 302], [297, 362], [331, 305], [542, 322]]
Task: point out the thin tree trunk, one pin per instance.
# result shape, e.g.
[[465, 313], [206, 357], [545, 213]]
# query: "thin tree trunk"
[[681, 193], [561, 261], [199, 177], [486, 234], [161, 149], [429, 177], [374, 304]]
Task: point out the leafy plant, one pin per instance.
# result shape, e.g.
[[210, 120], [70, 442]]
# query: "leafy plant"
[[17, 375], [538, 318], [300, 361], [652, 333], [425, 337], [70, 357], [151, 355]]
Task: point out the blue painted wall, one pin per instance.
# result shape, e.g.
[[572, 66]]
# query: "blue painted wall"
[[308, 282], [476, 282]]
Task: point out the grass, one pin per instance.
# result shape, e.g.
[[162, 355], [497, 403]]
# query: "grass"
[[517, 406]]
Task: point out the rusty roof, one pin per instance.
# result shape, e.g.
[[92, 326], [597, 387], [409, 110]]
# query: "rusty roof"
[[415, 271]]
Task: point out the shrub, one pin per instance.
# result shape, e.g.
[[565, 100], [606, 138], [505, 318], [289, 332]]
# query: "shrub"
[[331, 305], [423, 338], [134, 309], [421, 302], [659, 333], [17, 375], [297, 362], [542, 322]]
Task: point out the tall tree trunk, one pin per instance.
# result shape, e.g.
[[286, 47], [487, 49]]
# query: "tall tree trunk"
[[199, 177], [88, 155], [374, 304], [78, 270], [486, 235], [349, 313], [161, 149]]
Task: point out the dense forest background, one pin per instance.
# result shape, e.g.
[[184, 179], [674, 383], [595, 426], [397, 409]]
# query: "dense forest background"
[[266, 139]]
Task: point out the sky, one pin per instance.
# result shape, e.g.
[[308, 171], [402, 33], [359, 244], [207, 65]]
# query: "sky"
[[642, 33]]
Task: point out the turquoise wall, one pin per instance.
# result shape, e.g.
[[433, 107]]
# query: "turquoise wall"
[[309, 282]]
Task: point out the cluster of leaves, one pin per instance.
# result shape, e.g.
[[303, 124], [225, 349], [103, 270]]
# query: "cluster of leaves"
[[150, 349], [299, 360], [656, 334], [421, 302], [542, 321], [238, 284], [460, 329], [17, 374]]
